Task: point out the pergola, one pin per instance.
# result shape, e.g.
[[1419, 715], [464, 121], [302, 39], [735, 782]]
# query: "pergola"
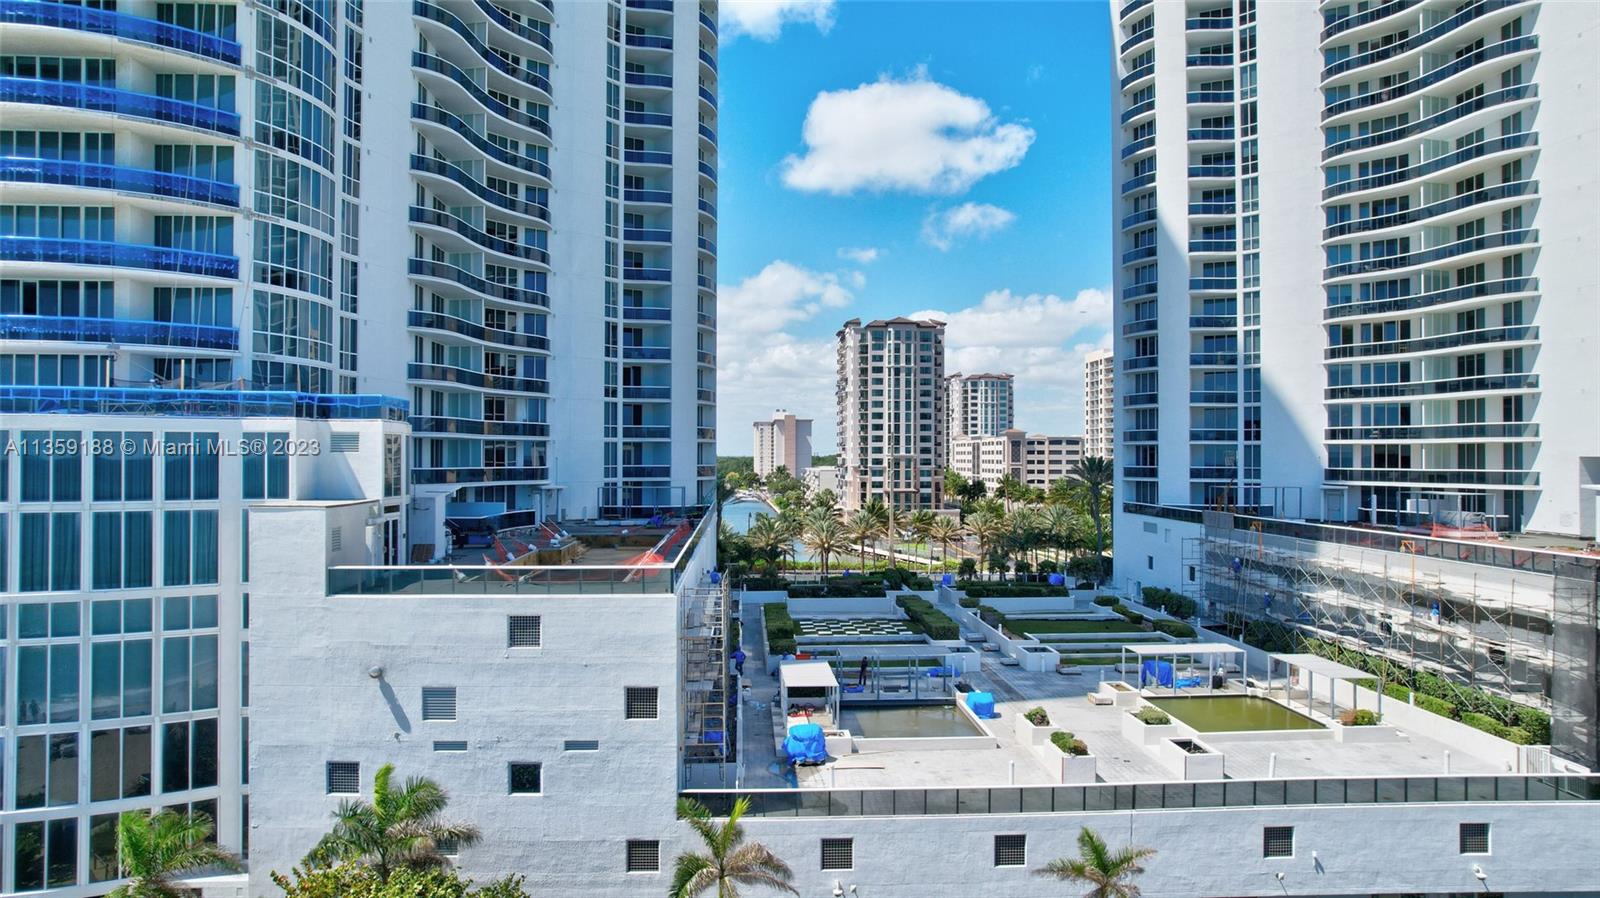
[[1211, 653], [1312, 667], [810, 675]]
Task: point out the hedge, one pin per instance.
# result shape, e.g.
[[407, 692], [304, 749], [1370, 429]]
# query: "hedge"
[[781, 630], [1426, 702], [1495, 728], [1009, 590], [926, 619], [1106, 601], [1132, 616], [765, 584], [970, 602], [1068, 743], [1175, 628], [1176, 603]]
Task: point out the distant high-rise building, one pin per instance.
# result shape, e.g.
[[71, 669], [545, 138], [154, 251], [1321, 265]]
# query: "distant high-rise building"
[[1098, 403], [1034, 459], [891, 412], [784, 442], [979, 405]]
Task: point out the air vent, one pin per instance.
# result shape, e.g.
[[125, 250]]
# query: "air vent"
[[344, 442]]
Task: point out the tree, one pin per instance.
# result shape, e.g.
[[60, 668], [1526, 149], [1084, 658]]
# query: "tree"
[[825, 537], [988, 529], [944, 532], [155, 850], [356, 881], [1010, 489], [764, 537], [860, 528], [894, 521], [920, 525], [1108, 873], [825, 500], [399, 828], [728, 861], [1095, 474]]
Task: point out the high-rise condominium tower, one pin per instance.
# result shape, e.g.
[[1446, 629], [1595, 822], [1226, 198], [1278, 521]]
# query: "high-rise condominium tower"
[[227, 233], [1098, 403], [979, 405], [891, 413], [1386, 290], [784, 442]]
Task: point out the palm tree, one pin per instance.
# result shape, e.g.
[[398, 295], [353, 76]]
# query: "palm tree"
[[921, 526], [859, 528], [764, 537], [944, 532], [1109, 874], [154, 850], [398, 828], [894, 521], [988, 529], [825, 537], [728, 861], [1095, 475]]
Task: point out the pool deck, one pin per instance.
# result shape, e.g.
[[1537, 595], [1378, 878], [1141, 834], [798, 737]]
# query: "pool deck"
[[1119, 760]]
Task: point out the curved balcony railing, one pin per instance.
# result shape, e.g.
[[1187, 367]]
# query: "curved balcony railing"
[[646, 235], [1437, 254], [1421, 38], [705, 320], [433, 13], [708, 96], [1415, 301], [648, 41], [437, 321], [1432, 476], [478, 236], [1141, 399], [647, 392], [1143, 143], [1135, 291], [1447, 386], [1141, 436], [707, 132], [1513, 430], [1138, 218], [1137, 110], [120, 25], [443, 425], [441, 66], [443, 271], [1461, 110], [1135, 39], [1338, 26], [646, 196], [1428, 79], [118, 330], [199, 403], [708, 170], [437, 476], [1465, 154], [118, 255], [465, 377], [1140, 326], [1140, 363], [1138, 253], [647, 79], [708, 208], [655, 119], [1484, 337], [426, 113], [1198, 97], [1139, 181], [646, 313], [118, 102], [708, 60], [655, 5], [1144, 71], [71, 173], [647, 157], [706, 281], [478, 189], [632, 273], [706, 245], [708, 23], [647, 353], [1433, 210], [531, 35]]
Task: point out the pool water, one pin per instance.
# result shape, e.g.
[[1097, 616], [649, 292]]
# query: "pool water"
[[1226, 714], [912, 721]]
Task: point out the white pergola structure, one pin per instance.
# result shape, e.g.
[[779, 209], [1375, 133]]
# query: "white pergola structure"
[[1212, 654], [1309, 668], [810, 675]]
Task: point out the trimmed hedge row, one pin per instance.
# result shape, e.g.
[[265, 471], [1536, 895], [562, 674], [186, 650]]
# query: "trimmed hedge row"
[[1176, 603], [926, 619], [1009, 590], [837, 589], [1068, 743], [1495, 728], [1176, 628], [781, 630]]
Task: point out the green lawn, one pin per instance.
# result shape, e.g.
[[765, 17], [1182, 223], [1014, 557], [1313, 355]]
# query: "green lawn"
[[1022, 625], [1090, 659]]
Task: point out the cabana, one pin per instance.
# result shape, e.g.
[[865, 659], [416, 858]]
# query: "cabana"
[[809, 685], [1309, 668], [1158, 664]]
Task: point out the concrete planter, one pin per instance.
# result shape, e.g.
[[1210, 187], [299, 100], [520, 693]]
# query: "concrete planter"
[[1142, 733], [1122, 695], [1204, 763], [1365, 734], [1077, 769], [1029, 734]]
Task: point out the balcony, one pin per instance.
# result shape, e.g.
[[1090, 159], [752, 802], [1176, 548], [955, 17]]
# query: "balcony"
[[1141, 326], [706, 245], [708, 207], [646, 432], [1432, 476], [1513, 430], [646, 313], [1140, 399], [1209, 23], [705, 320], [1415, 301], [1513, 190], [1365, 17], [1227, 435], [1463, 155], [1436, 254], [450, 374], [1137, 110], [1213, 246], [648, 41], [646, 472], [91, 175], [647, 157], [1137, 38], [1421, 38], [431, 12], [708, 23], [1139, 472], [1204, 322], [119, 102], [1476, 104], [1213, 397], [118, 330], [121, 26], [707, 132], [531, 35], [647, 79], [707, 60], [1138, 146], [440, 66], [1446, 387], [1141, 363], [199, 403], [1213, 359], [1145, 71], [438, 476], [1208, 60], [447, 272], [447, 426], [438, 321], [1202, 284], [424, 113], [1138, 218], [1376, 98], [1212, 171], [1213, 472], [1133, 184], [1135, 255], [647, 353], [659, 275], [1213, 209], [653, 119], [649, 392], [652, 5], [1442, 342], [1204, 97], [1140, 436], [709, 170], [439, 167], [647, 196], [1135, 291], [477, 236], [646, 235], [1204, 134], [119, 255], [708, 96]]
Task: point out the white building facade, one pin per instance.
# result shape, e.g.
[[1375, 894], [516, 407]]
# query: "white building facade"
[[1034, 459], [891, 413], [784, 442], [1099, 403]]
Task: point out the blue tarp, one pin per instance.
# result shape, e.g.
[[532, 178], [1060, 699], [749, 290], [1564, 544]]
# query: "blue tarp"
[[948, 579], [1057, 580], [805, 743], [1158, 672], [982, 704]]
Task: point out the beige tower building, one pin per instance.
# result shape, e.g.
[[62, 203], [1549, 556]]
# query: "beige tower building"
[[1098, 404], [784, 442], [891, 412]]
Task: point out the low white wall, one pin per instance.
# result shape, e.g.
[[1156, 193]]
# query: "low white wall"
[[1033, 604], [763, 597], [811, 607]]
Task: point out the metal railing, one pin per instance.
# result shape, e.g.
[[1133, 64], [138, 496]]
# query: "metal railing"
[[120, 25], [118, 255], [118, 330], [438, 116], [118, 102], [94, 175], [200, 403], [478, 236], [448, 272], [432, 12], [441, 66], [482, 191]]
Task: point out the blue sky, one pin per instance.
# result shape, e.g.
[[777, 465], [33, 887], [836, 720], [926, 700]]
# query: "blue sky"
[[898, 158]]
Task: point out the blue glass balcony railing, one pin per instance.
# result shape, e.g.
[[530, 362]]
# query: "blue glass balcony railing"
[[708, 60], [1503, 143], [1213, 283], [423, 9], [708, 170], [1513, 94], [646, 196], [1211, 171], [426, 113], [1135, 146], [118, 330], [1494, 51], [1428, 35], [1208, 60], [647, 431], [649, 41], [1470, 292], [647, 157], [649, 471], [439, 321], [440, 66], [120, 25], [708, 23], [646, 235], [707, 132], [707, 245], [1366, 16], [120, 255], [1144, 71], [630, 273], [653, 5], [466, 377], [647, 353], [199, 403], [531, 35], [473, 427], [1137, 110], [1459, 248], [708, 208], [1211, 134], [431, 476], [647, 392], [477, 235], [118, 102], [445, 271], [707, 95], [71, 173], [646, 313], [647, 79], [1198, 97], [481, 191]]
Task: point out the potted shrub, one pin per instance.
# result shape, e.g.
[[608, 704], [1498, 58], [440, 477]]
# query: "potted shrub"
[[1033, 727], [1148, 726], [1358, 717], [1077, 765]]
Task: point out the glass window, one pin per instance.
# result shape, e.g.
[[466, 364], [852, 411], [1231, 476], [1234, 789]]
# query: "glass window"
[[136, 685], [175, 757], [175, 673]]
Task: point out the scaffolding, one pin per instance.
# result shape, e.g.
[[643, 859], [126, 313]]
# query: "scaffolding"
[[708, 719]]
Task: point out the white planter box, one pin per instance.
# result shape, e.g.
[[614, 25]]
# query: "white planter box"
[[1120, 697], [1208, 765], [1028, 734], [1145, 734], [1375, 733], [1077, 769]]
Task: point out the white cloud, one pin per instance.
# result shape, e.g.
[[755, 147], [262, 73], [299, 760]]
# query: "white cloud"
[[861, 255], [779, 295], [779, 371], [764, 19], [915, 135], [942, 227], [1040, 338]]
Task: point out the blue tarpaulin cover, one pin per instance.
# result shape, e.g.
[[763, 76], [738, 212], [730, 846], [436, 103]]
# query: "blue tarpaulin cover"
[[1158, 672], [1057, 580], [982, 704], [805, 743], [948, 579]]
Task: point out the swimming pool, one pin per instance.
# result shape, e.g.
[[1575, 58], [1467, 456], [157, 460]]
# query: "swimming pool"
[[1234, 713], [915, 721]]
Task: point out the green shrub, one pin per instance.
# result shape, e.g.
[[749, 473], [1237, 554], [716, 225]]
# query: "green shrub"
[[1426, 702], [1175, 628], [765, 584], [1495, 728], [1037, 716], [968, 567], [1153, 716], [1132, 616], [1176, 603], [969, 602], [1068, 743], [1358, 717], [1106, 601], [781, 630], [926, 619]]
